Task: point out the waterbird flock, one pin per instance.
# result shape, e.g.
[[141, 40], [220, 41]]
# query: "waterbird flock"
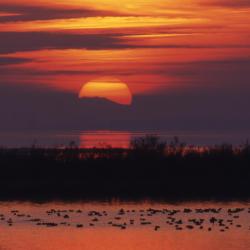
[[208, 219]]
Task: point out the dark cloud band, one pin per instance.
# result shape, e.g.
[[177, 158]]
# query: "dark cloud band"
[[33, 13], [12, 60], [11, 42], [228, 3]]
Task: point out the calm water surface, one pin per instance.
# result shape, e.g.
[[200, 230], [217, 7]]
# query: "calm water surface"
[[143, 226], [121, 139]]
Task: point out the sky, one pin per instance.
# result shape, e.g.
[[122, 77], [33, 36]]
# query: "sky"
[[186, 63]]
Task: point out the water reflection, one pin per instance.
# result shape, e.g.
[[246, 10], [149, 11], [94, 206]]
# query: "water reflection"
[[100, 138], [27, 230]]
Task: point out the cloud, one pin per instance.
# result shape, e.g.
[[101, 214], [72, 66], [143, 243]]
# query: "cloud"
[[33, 13], [203, 108], [11, 42], [227, 73], [228, 3], [13, 60]]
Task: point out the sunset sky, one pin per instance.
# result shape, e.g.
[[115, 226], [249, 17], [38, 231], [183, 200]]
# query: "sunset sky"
[[186, 63]]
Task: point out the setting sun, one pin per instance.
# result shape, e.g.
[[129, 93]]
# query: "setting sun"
[[109, 88]]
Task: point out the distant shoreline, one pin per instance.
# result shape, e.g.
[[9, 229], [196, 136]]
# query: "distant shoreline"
[[114, 138], [149, 170]]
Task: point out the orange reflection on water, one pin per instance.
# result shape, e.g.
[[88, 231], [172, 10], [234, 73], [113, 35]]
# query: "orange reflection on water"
[[23, 235], [111, 239], [102, 139]]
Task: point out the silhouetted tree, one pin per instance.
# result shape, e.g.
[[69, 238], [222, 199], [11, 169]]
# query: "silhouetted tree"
[[148, 146]]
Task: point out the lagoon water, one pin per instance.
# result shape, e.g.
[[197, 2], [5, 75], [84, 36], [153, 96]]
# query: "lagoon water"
[[124, 226], [102, 138]]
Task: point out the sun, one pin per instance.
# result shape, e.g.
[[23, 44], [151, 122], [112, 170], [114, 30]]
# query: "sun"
[[109, 88]]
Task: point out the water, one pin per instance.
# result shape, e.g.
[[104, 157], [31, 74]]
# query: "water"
[[46, 226], [101, 138]]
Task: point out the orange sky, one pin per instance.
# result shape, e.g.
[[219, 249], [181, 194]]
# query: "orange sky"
[[64, 44]]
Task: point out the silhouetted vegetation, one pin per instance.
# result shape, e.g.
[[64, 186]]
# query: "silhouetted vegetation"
[[149, 169]]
